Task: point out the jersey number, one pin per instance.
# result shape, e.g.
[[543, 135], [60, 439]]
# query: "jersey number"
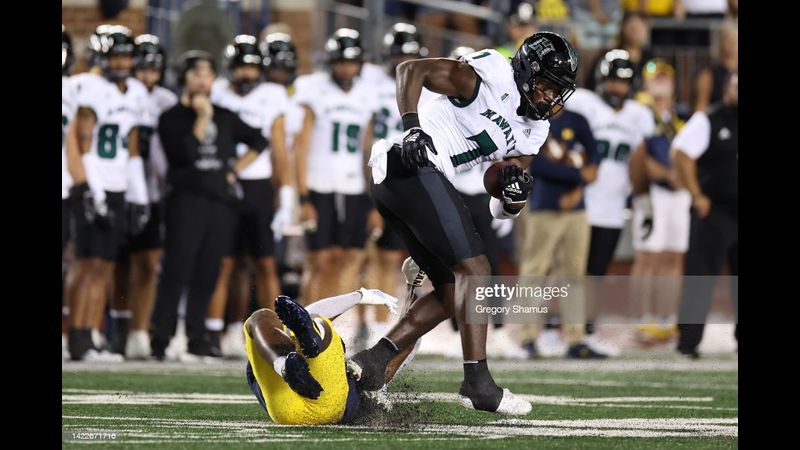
[[381, 127], [620, 153], [107, 141], [486, 147], [351, 131]]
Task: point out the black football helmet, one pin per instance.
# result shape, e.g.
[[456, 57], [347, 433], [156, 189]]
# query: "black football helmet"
[[94, 46], [544, 57], [403, 39], [344, 45], [241, 52], [67, 54], [149, 53], [278, 52], [118, 41], [616, 64]]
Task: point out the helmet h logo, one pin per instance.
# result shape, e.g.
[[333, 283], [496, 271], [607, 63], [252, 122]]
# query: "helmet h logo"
[[542, 46]]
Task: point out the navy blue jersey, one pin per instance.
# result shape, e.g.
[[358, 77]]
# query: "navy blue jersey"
[[552, 179]]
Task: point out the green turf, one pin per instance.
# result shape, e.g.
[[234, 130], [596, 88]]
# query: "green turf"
[[239, 422]]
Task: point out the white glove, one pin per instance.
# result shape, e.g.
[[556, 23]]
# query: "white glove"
[[502, 227], [378, 297], [283, 217]]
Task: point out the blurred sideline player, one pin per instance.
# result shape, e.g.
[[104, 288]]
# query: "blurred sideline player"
[[68, 108], [331, 167], [296, 360], [111, 173], [262, 106], [620, 125], [401, 43], [138, 264], [489, 110], [520, 25], [661, 206]]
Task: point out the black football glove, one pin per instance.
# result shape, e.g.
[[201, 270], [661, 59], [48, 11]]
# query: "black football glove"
[[95, 211], [516, 185], [138, 216], [413, 152]]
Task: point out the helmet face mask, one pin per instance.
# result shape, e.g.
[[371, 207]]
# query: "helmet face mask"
[[545, 67]]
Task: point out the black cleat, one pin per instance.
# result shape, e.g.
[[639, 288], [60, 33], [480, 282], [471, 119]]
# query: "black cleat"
[[690, 353], [299, 378], [369, 366], [296, 318]]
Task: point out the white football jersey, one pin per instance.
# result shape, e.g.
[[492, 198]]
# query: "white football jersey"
[[259, 109], [485, 127], [336, 155], [293, 121], [69, 106], [618, 133], [470, 182], [117, 114], [156, 102]]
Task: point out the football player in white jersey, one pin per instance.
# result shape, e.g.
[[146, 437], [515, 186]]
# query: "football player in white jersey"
[[488, 111], [106, 137], [620, 125], [331, 166], [137, 264], [263, 106], [68, 107]]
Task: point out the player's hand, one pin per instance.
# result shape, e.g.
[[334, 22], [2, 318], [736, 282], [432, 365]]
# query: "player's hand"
[[516, 185], [378, 297], [502, 227], [234, 187], [202, 106], [702, 205], [94, 207], [308, 217], [375, 225], [138, 216], [569, 200], [413, 151]]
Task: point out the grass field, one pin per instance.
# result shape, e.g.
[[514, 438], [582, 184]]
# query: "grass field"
[[643, 400]]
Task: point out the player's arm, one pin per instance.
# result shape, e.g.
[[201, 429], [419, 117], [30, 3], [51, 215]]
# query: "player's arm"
[[82, 161], [302, 145], [687, 173], [333, 307], [136, 190], [286, 192], [251, 137], [439, 75]]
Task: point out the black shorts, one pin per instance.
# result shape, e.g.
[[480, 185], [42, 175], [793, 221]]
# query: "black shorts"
[[94, 241], [602, 246], [430, 216], [153, 235], [65, 228], [341, 221], [390, 240], [253, 230]]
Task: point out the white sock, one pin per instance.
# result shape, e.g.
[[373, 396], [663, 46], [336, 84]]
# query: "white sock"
[[215, 324], [120, 314], [234, 327], [278, 365]]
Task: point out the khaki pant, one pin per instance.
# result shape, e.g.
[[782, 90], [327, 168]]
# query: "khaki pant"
[[557, 243]]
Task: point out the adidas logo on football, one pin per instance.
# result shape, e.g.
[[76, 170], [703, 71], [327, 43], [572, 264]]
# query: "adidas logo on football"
[[514, 188], [527, 132]]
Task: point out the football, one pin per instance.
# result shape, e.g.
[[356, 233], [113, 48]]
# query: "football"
[[491, 178]]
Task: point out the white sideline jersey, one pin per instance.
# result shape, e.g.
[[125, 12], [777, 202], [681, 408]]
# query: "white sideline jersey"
[[117, 114], [259, 109], [618, 133], [388, 122], [155, 162], [69, 106], [336, 154]]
